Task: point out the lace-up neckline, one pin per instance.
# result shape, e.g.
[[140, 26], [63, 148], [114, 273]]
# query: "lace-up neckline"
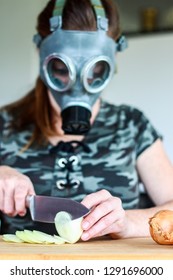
[[70, 147]]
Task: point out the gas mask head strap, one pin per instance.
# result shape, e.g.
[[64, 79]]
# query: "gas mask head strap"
[[102, 22], [56, 20]]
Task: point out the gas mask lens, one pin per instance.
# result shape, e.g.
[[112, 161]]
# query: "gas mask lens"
[[96, 74], [60, 72]]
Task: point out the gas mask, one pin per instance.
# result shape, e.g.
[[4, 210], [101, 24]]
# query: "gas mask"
[[76, 66]]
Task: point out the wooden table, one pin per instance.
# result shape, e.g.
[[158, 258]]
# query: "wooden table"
[[95, 249]]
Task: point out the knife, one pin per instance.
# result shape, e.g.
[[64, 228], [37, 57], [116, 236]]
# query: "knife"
[[44, 208]]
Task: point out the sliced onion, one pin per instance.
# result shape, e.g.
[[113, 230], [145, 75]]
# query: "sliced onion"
[[11, 238], [67, 228]]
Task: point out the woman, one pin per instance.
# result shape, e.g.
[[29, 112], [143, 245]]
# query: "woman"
[[62, 139]]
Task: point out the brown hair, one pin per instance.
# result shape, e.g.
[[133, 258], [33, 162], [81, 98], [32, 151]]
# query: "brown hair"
[[35, 107]]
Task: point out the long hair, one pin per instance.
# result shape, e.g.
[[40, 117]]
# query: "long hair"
[[35, 107]]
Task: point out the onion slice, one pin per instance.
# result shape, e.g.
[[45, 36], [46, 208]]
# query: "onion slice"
[[67, 228]]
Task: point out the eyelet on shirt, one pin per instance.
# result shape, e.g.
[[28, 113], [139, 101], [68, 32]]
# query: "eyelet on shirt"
[[61, 184], [76, 183], [74, 160], [70, 184], [62, 162]]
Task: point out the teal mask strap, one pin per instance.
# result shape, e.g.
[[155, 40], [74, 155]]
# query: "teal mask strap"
[[97, 5], [99, 10], [102, 21], [59, 6], [56, 20]]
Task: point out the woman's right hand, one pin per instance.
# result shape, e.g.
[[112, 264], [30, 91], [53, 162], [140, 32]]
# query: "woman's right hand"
[[14, 188]]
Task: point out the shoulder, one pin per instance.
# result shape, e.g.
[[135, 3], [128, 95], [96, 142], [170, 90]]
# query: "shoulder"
[[122, 113], [119, 108], [129, 119], [5, 123], [5, 118]]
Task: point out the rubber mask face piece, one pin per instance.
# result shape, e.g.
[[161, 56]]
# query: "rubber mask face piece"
[[76, 66]]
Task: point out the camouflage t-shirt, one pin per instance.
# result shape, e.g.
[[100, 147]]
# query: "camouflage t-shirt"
[[105, 159]]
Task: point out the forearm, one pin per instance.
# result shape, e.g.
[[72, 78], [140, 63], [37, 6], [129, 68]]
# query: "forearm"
[[137, 221]]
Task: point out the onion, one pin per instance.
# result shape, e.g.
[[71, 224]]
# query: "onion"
[[161, 227], [68, 229]]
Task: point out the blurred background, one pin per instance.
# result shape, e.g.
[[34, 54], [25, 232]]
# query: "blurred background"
[[145, 70]]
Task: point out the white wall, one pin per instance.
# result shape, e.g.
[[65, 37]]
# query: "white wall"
[[18, 57], [145, 79], [145, 69]]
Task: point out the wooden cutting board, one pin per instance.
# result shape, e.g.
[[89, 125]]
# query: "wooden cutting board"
[[129, 249]]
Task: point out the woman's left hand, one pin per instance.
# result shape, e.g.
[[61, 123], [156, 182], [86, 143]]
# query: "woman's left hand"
[[106, 217]]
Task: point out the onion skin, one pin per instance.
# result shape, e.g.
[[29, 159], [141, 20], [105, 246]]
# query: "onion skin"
[[161, 227]]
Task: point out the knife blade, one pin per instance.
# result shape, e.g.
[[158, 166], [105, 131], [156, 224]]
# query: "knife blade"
[[44, 208]]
